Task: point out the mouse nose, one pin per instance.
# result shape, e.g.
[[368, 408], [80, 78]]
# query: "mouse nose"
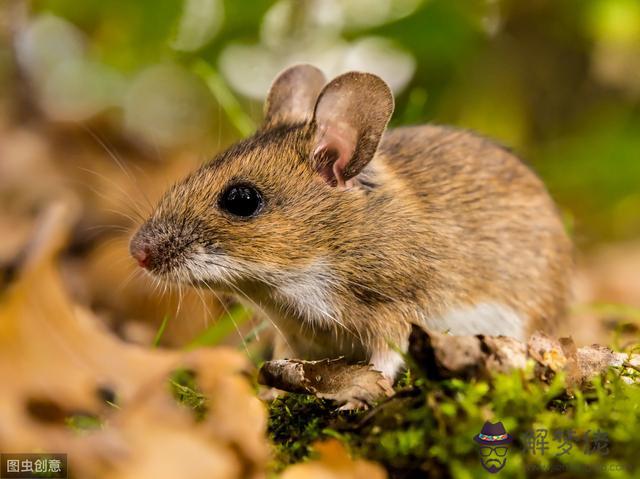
[[140, 252], [142, 256]]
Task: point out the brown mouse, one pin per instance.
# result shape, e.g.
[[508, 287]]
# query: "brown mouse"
[[344, 234]]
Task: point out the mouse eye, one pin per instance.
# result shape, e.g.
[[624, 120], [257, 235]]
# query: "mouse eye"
[[241, 200]]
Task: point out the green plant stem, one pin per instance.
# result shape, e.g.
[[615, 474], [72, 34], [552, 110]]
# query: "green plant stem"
[[160, 333], [225, 97], [223, 326]]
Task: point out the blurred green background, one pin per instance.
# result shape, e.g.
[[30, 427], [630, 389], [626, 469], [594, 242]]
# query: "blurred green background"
[[556, 80]]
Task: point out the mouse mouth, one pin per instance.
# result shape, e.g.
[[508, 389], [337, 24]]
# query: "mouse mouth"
[[213, 270]]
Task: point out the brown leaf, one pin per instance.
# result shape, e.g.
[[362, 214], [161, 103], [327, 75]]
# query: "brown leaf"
[[442, 356], [591, 361], [503, 353], [334, 463], [548, 354], [352, 385], [445, 356], [56, 361]]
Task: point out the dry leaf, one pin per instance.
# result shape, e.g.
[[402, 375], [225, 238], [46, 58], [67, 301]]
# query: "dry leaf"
[[352, 385], [57, 361], [444, 356], [334, 463]]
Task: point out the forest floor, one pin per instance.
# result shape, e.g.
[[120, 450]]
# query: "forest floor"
[[69, 277]]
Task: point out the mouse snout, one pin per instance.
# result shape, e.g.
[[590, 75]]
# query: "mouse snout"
[[141, 251], [161, 248]]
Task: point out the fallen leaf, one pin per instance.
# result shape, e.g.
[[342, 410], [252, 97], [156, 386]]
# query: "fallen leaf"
[[57, 362], [334, 463], [548, 354], [351, 385], [444, 356]]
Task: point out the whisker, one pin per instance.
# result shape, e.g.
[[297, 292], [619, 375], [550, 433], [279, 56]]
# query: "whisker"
[[235, 324], [136, 207], [207, 315], [275, 326], [118, 162], [110, 227], [134, 272], [238, 291]]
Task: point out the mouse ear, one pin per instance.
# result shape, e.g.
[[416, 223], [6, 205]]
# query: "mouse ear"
[[351, 115], [293, 95]]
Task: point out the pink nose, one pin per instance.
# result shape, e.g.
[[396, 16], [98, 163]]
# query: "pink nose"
[[141, 255]]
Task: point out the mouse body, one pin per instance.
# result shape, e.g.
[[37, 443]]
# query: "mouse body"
[[345, 233]]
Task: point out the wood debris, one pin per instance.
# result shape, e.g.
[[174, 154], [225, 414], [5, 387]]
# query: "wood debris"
[[444, 356]]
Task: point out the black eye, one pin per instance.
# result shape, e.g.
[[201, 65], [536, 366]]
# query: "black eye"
[[241, 200]]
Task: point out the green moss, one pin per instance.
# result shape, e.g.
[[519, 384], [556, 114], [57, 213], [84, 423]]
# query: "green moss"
[[82, 423], [184, 388], [427, 428], [295, 422]]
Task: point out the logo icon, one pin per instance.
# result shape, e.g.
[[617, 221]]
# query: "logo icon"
[[493, 445]]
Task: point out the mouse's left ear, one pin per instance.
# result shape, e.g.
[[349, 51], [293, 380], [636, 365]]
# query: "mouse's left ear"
[[351, 115], [292, 95]]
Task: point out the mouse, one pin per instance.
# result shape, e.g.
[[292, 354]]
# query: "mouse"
[[344, 232]]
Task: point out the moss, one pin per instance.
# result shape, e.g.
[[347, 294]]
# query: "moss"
[[427, 428], [295, 422], [83, 422], [184, 388]]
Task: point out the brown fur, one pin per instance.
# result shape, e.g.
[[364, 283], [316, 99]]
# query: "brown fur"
[[439, 218]]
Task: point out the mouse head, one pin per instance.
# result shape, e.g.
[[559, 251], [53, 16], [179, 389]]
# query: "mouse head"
[[279, 201]]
